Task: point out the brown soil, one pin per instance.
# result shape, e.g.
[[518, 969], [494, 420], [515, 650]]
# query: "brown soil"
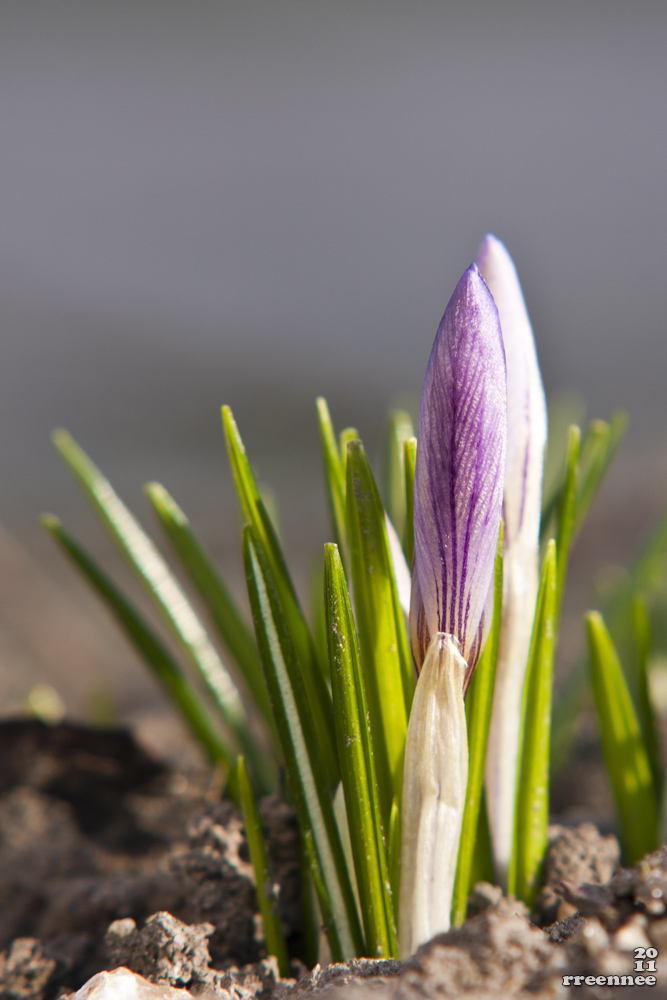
[[108, 859]]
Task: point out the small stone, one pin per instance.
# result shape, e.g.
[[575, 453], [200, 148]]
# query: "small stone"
[[632, 934], [122, 928], [165, 949], [594, 937], [25, 970], [121, 984], [565, 910], [575, 855], [614, 963], [483, 897]]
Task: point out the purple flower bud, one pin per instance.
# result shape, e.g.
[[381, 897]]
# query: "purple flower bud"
[[460, 473]]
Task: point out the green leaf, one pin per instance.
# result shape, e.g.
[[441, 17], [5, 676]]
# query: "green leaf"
[[346, 435], [310, 913], [647, 576], [647, 573], [567, 509], [316, 615], [147, 644], [479, 703], [483, 869], [224, 612], [319, 697], [597, 452], [357, 765], [399, 429], [167, 594], [340, 815], [394, 852], [384, 647], [649, 725], [335, 478], [301, 749], [532, 807], [565, 408], [267, 896], [410, 460], [622, 744]]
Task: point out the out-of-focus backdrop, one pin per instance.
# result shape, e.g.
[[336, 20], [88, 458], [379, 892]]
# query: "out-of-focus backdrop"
[[256, 202]]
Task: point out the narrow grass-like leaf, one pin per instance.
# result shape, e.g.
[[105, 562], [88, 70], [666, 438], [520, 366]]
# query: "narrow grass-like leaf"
[[566, 513], [267, 897], [224, 612], [622, 744], [532, 808], [647, 576], [384, 647], [649, 727], [647, 573], [335, 478], [597, 453], [409, 460], [316, 615], [319, 697], [270, 504], [483, 869], [340, 815], [310, 913], [549, 508], [346, 435], [148, 645], [399, 429], [479, 702], [394, 852], [355, 753], [168, 596], [301, 749]]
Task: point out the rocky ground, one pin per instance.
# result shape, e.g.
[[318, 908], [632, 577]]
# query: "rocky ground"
[[110, 860]]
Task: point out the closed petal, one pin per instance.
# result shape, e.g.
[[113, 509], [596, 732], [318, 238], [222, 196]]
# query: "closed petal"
[[526, 403], [420, 636], [460, 466]]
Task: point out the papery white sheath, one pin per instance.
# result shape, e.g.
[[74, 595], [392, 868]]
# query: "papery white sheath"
[[434, 791], [526, 439]]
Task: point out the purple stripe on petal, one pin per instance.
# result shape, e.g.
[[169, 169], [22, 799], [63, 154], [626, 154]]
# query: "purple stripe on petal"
[[460, 467]]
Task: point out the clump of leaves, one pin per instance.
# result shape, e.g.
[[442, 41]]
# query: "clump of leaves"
[[346, 719]]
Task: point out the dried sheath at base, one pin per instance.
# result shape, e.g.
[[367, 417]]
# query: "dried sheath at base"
[[434, 789]]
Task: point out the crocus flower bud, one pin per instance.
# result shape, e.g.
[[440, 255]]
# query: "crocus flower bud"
[[459, 473], [526, 439], [459, 480]]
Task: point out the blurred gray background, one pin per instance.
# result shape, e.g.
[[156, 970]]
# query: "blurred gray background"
[[256, 202]]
